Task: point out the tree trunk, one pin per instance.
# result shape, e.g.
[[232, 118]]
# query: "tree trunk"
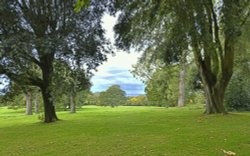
[[72, 103], [28, 103], [36, 104], [214, 93], [181, 99], [47, 72], [49, 108], [214, 100]]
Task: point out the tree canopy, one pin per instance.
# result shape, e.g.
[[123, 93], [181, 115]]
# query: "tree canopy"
[[113, 96], [209, 29], [36, 34]]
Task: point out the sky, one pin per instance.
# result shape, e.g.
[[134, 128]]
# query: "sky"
[[116, 71]]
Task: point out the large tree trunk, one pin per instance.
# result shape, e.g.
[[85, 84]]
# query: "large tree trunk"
[[28, 103], [49, 108], [181, 99], [214, 99], [72, 103], [214, 93], [47, 71]]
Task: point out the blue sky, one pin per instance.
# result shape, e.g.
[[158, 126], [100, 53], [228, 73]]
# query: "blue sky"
[[116, 71]]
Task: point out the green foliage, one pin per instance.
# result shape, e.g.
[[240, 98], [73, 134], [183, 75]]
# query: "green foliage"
[[208, 29], [162, 88], [81, 97], [113, 96], [65, 43], [196, 98], [80, 4], [92, 99], [238, 93], [17, 102], [193, 86], [14, 92], [62, 102], [70, 82], [37, 35], [137, 101]]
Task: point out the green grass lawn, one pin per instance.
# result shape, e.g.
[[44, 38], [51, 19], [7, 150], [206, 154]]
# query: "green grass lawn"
[[105, 131]]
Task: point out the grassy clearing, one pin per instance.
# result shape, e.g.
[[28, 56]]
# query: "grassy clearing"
[[151, 131]]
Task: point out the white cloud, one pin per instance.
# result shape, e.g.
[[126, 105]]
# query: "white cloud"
[[116, 69]]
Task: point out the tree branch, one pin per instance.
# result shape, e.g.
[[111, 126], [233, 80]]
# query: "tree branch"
[[216, 30]]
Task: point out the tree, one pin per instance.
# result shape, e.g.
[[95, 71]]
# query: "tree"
[[12, 96], [28, 96], [36, 102], [158, 74], [162, 88], [38, 33], [210, 29], [182, 76], [70, 81], [237, 94], [113, 96], [80, 82], [92, 98]]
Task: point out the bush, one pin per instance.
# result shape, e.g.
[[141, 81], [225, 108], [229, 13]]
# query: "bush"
[[137, 101], [196, 97], [238, 94]]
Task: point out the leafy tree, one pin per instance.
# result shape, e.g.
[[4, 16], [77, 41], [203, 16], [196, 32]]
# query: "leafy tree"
[[208, 28], [237, 94], [82, 97], [12, 96], [113, 96], [162, 88], [93, 99], [38, 33], [70, 82]]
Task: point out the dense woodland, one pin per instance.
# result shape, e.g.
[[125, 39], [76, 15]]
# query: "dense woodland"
[[194, 52]]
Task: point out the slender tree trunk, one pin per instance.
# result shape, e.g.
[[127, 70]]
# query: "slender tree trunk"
[[28, 103], [36, 104], [181, 99], [72, 103]]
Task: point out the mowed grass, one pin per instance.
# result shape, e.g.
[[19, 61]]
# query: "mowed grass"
[[139, 131]]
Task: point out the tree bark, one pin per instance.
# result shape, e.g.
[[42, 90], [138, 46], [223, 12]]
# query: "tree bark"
[[49, 108], [181, 99], [36, 104], [214, 93], [28, 103], [72, 103], [47, 72]]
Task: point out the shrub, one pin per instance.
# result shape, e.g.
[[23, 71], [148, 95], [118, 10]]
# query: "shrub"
[[238, 94]]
